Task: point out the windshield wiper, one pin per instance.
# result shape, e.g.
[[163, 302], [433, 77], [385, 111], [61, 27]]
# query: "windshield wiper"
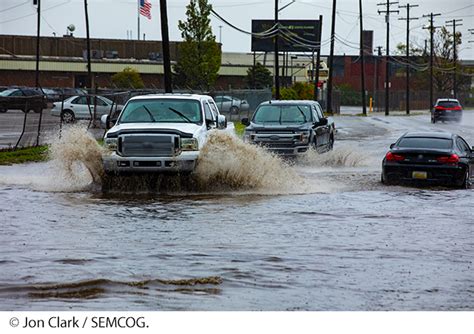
[[149, 113], [302, 113], [180, 114]]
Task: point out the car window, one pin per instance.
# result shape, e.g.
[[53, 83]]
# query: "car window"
[[425, 142], [17, 93], [315, 114], [214, 108], [101, 102], [462, 145], [80, 100], [319, 110], [208, 112], [448, 104]]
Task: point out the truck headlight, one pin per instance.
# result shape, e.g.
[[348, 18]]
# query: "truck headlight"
[[111, 143], [189, 144], [249, 136], [303, 137]]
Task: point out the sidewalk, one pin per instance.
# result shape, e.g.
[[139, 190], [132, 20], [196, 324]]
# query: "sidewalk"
[[356, 110]]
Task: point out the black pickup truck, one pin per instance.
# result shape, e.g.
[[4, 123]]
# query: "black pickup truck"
[[290, 127]]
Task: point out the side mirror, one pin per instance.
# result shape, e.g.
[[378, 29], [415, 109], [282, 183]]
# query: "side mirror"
[[323, 121], [392, 145], [221, 122], [245, 121], [105, 121]]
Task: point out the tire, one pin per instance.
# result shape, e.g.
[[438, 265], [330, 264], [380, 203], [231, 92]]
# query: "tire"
[[433, 120], [234, 110], [331, 143], [67, 116], [3, 111], [466, 184], [382, 179]]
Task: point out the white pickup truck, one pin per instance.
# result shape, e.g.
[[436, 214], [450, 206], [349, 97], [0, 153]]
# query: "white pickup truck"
[[160, 133]]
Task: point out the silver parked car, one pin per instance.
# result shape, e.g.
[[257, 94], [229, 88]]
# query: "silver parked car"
[[82, 107], [231, 104]]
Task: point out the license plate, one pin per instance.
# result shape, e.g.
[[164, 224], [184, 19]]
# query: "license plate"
[[419, 175]]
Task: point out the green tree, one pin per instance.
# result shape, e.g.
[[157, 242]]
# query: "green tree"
[[128, 78], [443, 64], [199, 57], [259, 77]]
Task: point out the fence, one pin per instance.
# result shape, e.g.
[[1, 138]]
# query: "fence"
[[24, 124]]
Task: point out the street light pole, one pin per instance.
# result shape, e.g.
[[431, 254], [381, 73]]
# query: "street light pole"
[[38, 42], [277, 67], [166, 47]]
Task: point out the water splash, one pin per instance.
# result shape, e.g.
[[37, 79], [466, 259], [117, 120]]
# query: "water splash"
[[227, 162], [346, 156]]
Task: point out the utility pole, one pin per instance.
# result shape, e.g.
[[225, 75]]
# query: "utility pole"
[[89, 70], [277, 67], [38, 2], [377, 78], [331, 58], [408, 18], [318, 59], [432, 28], [166, 47], [454, 21], [362, 62], [387, 12]]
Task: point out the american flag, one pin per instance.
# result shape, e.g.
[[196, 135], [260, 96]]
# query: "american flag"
[[145, 8]]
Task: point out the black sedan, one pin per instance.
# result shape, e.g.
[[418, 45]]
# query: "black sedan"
[[429, 158]]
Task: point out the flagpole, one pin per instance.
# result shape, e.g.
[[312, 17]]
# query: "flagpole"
[[138, 19]]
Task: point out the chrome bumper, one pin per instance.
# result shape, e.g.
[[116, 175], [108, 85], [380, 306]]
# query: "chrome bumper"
[[185, 162]]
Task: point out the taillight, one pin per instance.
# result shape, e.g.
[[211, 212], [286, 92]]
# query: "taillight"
[[457, 108], [394, 157], [450, 159], [439, 108]]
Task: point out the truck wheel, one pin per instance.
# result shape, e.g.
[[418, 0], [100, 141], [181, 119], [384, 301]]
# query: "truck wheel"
[[67, 116], [331, 143]]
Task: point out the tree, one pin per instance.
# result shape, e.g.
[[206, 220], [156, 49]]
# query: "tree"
[[259, 77], [443, 63], [128, 78], [199, 57]]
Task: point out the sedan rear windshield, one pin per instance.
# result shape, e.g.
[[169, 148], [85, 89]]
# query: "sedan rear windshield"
[[425, 142], [282, 114], [448, 104], [162, 111]]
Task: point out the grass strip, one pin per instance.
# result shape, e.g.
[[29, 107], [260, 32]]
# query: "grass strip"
[[22, 155]]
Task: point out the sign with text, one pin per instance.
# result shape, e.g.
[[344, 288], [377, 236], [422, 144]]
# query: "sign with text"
[[293, 35]]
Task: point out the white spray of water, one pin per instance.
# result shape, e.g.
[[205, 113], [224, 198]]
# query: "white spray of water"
[[227, 162], [75, 164], [346, 156]]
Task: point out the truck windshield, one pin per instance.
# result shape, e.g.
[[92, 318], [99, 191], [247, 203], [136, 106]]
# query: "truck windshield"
[[162, 111], [282, 114]]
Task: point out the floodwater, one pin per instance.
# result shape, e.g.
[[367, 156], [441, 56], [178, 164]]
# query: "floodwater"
[[249, 232]]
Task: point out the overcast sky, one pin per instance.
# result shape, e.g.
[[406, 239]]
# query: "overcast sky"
[[114, 18]]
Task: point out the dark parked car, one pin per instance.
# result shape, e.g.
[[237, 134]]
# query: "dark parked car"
[[290, 127], [429, 158], [446, 110], [25, 99]]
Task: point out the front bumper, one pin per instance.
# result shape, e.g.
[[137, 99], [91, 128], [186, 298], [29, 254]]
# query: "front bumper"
[[116, 164]]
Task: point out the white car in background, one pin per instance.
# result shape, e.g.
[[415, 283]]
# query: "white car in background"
[[230, 104], [82, 107]]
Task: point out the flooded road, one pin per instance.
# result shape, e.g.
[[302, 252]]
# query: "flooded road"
[[333, 239]]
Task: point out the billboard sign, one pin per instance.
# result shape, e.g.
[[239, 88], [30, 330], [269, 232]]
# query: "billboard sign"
[[294, 35]]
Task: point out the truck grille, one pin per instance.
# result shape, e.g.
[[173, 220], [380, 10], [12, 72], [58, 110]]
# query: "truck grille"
[[148, 145]]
